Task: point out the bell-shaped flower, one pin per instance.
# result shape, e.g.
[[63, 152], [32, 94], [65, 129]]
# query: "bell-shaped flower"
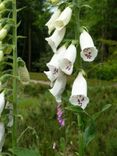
[[63, 19], [66, 63], [2, 102], [54, 63], [59, 87], [89, 51], [56, 39], [2, 135], [1, 55], [79, 92], [50, 23], [50, 76]]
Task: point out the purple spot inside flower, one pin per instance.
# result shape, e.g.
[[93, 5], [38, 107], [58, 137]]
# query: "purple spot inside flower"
[[55, 71], [87, 53]]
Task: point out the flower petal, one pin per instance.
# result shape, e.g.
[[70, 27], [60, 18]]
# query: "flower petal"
[[64, 18], [79, 92], [2, 135], [56, 39], [66, 63], [58, 87], [89, 51], [50, 23], [2, 102]]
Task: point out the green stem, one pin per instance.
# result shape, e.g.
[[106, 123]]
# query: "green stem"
[[79, 65], [14, 134], [81, 140]]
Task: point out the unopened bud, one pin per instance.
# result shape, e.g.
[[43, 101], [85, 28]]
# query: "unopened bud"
[[2, 6], [1, 55], [3, 33], [8, 49], [23, 74]]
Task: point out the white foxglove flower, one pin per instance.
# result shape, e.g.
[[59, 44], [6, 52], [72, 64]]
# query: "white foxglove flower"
[[54, 63], [64, 18], [56, 39], [50, 76], [89, 51], [79, 92], [50, 23], [2, 102], [2, 135], [58, 87], [1, 55], [66, 63]]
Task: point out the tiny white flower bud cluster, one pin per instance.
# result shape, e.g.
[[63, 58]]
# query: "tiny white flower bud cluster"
[[64, 58]]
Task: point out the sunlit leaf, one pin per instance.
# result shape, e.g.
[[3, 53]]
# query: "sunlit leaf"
[[86, 6]]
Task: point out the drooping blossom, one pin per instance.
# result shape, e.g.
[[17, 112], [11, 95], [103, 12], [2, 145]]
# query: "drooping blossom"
[[2, 135], [55, 39], [89, 51], [51, 23], [63, 19], [58, 87], [54, 63], [79, 92], [2, 102], [67, 62]]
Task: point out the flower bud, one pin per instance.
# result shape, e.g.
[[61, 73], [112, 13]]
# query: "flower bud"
[[3, 32], [24, 75], [1, 55], [2, 6], [8, 49]]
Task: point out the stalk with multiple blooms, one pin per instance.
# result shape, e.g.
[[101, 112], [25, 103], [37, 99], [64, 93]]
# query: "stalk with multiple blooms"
[[8, 93], [64, 57]]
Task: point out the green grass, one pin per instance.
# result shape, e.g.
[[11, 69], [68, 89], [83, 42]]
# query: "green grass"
[[38, 76], [38, 108]]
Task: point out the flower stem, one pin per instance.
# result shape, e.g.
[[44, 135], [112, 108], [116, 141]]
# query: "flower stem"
[[79, 65], [14, 134], [81, 139]]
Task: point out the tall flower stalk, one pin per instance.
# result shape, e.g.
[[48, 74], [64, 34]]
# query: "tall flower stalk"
[[77, 33], [14, 134]]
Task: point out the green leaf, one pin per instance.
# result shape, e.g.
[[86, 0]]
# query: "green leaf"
[[89, 133], [75, 109], [25, 152], [20, 9], [18, 37], [86, 6], [62, 144], [96, 115]]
